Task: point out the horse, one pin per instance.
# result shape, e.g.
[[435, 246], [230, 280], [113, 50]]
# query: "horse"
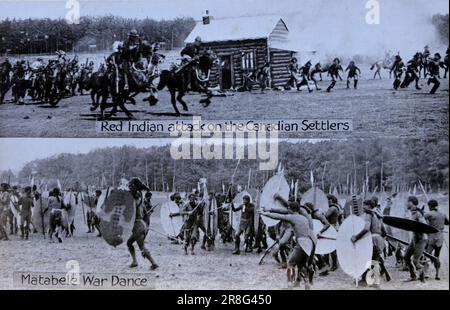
[[174, 80], [54, 88]]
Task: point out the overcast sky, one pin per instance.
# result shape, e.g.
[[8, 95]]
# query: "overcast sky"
[[194, 8], [15, 153], [327, 26]]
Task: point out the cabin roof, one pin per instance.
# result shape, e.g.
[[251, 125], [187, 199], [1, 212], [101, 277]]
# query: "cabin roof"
[[239, 29]]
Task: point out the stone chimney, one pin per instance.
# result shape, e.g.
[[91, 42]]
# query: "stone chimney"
[[206, 18]]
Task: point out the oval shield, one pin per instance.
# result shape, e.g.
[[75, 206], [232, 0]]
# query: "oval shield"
[[237, 201], [326, 242], [40, 215], [317, 197], [354, 258], [117, 217], [171, 225], [276, 185]]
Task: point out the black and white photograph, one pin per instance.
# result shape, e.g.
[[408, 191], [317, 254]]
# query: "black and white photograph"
[[218, 146], [65, 69], [375, 216]]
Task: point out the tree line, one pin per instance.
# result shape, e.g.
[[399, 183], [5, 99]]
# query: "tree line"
[[337, 166], [32, 36]]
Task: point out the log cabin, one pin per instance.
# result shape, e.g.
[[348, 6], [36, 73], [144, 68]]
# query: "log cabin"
[[244, 45]]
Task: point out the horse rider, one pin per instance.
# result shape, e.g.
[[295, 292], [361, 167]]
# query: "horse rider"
[[189, 54], [153, 72], [130, 53]]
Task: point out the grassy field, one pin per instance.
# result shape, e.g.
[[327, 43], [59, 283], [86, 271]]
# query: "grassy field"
[[213, 270], [375, 108]]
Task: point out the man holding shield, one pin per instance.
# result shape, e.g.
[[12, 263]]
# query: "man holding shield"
[[245, 225]]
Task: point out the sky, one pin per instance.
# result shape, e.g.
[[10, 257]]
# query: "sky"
[[327, 26], [16, 152]]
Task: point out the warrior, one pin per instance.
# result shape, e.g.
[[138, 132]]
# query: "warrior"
[[437, 220], [130, 53], [264, 77], [444, 64], [418, 243], [304, 72], [374, 225], [189, 231], [333, 71], [153, 72], [425, 55], [5, 69], [353, 73], [286, 230], [377, 67], [412, 72], [433, 71], [26, 203], [93, 221], [334, 216], [4, 206], [140, 227], [55, 205], [303, 252], [316, 70], [397, 68], [293, 70], [188, 53], [18, 87], [245, 225]]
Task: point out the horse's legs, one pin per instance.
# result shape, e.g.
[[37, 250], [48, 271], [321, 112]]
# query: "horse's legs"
[[180, 100], [173, 99]]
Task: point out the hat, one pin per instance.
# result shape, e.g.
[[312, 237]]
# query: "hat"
[[133, 33], [332, 198]]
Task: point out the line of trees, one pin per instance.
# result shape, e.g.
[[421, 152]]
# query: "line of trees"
[[30, 36], [374, 165]]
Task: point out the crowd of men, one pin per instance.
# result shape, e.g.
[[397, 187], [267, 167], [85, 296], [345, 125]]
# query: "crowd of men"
[[139, 60], [294, 237]]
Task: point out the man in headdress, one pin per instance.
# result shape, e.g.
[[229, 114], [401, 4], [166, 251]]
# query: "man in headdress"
[[188, 53], [293, 70], [433, 71], [25, 203], [397, 68], [333, 71], [418, 243], [316, 70], [353, 73], [189, 233], [140, 227], [438, 220], [304, 73], [130, 53], [412, 72]]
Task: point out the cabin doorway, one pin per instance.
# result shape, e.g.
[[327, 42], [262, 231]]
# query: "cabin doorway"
[[226, 72]]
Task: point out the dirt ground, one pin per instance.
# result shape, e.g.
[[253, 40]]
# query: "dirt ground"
[[375, 108], [205, 270]]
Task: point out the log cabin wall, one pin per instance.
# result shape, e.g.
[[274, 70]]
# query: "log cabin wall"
[[279, 60], [236, 49]]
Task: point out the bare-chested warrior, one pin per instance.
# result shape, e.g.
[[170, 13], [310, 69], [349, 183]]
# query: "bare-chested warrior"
[[437, 220], [245, 225], [303, 253], [140, 228], [353, 73], [433, 71], [418, 243], [316, 70], [374, 225], [304, 73]]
